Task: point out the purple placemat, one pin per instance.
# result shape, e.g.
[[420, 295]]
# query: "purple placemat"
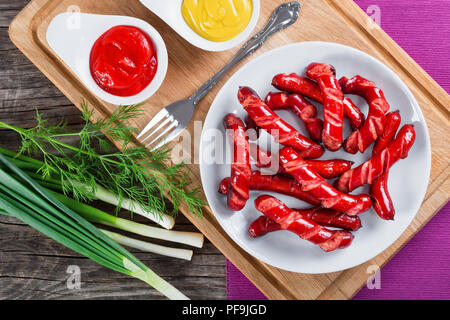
[[421, 270]]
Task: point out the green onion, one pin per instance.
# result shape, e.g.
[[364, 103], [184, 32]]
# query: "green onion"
[[37, 207], [32, 167], [149, 247], [133, 173], [97, 216]]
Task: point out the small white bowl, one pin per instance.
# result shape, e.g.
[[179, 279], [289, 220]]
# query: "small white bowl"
[[72, 35], [170, 12]]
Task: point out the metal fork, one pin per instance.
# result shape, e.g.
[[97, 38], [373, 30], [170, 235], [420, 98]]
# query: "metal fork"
[[175, 117]]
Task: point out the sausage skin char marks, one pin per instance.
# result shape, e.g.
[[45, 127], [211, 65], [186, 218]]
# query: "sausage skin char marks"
[[324, 217], [241, 170], [278, 183], [374, 125], [382, 201], [315, 185], [268, 120], [328, 169], [301, 107], [294, 83], [370, 170], [333, 103], [288, 219]]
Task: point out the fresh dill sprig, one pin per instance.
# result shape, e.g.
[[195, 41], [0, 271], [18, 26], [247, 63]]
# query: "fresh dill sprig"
[[133, 173]]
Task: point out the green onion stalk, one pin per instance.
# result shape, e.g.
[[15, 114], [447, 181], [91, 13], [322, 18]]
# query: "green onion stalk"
[[95, 215], [31, 203], [32, 167], [149, 247]]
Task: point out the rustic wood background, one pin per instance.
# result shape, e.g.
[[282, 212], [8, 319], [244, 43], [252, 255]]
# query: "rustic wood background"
[[35, 267]]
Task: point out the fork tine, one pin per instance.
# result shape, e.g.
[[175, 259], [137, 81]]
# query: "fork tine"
[[162, 125], [175, 133], [157, 118], [173, 124]]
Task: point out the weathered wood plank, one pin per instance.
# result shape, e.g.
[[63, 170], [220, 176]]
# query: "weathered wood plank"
[[35, 267], [9, 9]]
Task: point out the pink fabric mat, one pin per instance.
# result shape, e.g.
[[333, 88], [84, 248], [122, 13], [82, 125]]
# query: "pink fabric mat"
[[421, 270]]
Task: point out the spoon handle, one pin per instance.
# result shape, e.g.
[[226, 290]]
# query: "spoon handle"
[[285, 15]]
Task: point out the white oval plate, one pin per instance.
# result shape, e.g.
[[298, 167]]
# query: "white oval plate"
[[170, 13], [408, 178], [72, 34]]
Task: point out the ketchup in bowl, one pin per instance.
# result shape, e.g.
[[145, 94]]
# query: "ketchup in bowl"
[[123, 61]]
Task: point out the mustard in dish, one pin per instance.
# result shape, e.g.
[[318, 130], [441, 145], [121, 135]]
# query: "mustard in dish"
[[217, 20]]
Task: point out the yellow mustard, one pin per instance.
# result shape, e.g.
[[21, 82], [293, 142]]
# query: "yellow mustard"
[[217, 20]]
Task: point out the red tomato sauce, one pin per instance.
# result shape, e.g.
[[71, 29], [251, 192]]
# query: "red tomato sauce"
[[123, 61]]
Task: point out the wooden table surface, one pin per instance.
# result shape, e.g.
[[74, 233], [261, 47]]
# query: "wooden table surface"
[[35, 267]]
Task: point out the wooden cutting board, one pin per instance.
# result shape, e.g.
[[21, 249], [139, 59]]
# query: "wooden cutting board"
[[320, 20]]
